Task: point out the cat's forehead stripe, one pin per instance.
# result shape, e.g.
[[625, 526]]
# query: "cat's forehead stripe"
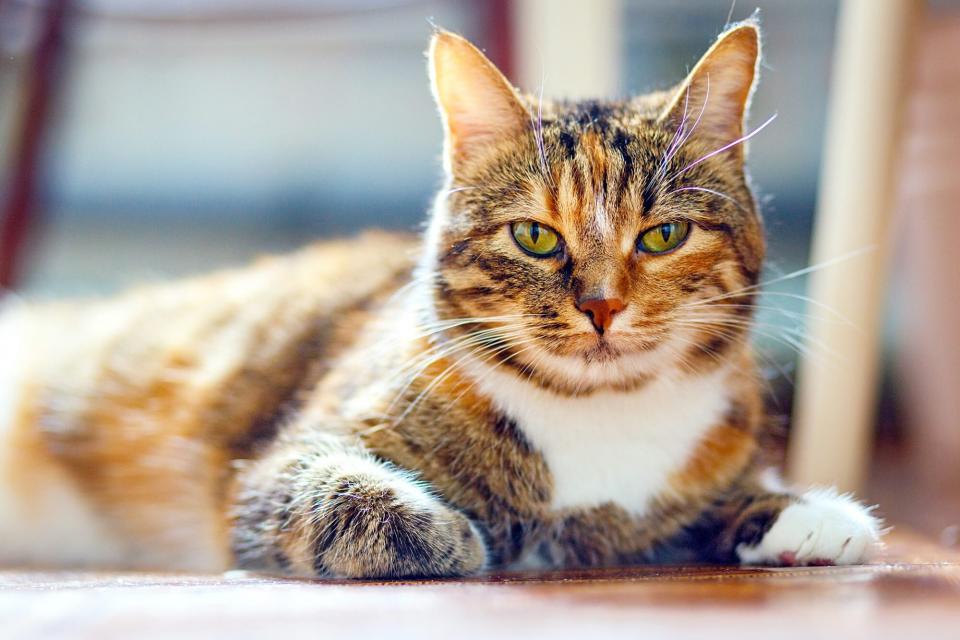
[[595, 155], [601, 218], [594, 171]]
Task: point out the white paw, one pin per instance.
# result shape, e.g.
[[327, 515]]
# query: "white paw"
[[823, 527]]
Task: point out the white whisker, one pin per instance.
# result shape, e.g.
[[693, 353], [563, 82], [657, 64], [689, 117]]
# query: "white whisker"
[[792, 275], [725, 147], [719, 194]]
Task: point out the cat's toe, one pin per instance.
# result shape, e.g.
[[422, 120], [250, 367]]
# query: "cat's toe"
[[821, 528]]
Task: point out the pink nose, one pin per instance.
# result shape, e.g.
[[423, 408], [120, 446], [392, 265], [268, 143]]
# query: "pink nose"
[[601, 311]]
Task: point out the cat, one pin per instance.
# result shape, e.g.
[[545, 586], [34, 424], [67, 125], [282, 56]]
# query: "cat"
[[558, 374]]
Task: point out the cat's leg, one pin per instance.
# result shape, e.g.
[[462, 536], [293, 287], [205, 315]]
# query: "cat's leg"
[[781, 528], [337, 511]]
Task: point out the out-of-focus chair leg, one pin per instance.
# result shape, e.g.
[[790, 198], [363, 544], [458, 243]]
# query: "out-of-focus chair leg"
[[927, 226], [587, 65], [836, 397]]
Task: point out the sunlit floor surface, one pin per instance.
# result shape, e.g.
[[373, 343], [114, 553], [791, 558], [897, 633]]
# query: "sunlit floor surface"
[[913, 592]]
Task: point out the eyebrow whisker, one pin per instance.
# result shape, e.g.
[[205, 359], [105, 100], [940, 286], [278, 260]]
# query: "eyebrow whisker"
[[714, 192], [725, 147]]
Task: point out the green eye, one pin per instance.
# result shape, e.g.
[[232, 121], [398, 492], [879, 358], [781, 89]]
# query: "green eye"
[[664, 237], [535, 238]]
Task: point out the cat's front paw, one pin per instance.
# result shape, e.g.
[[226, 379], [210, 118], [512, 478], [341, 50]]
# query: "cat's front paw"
[[821, 528], [373, 523]]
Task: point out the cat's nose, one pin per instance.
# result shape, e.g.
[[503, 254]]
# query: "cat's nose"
[[601, 311]]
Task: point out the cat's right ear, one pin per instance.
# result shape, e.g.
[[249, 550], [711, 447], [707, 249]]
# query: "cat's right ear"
[[714, 99], [478, 105]]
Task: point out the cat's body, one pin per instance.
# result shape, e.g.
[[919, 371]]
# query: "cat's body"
[[373, 408], [128, 412]]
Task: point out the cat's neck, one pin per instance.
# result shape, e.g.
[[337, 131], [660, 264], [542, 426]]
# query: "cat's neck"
[[612, 446]]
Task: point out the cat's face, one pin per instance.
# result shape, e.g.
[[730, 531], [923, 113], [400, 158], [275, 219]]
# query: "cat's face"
[[595, 237]]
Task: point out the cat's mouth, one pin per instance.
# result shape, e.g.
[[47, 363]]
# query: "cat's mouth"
[[602, 351], [592, 347]]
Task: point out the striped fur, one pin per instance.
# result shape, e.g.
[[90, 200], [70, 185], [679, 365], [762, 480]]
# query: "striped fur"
[[374, 407]]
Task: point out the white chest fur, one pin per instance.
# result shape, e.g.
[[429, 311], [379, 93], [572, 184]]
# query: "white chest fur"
[[613, 447]]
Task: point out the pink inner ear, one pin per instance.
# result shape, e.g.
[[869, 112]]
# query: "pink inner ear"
[[474, 124], [480, 112]]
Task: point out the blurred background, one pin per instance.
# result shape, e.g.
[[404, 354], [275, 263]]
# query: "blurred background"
[[147, 139]]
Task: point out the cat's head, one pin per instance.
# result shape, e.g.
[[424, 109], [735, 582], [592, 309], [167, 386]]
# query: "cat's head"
[[593, 244]]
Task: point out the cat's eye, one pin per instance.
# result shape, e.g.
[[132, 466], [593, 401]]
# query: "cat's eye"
[[536, 239], [664, 237]]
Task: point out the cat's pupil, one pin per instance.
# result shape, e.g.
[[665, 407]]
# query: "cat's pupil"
[[666, 230], [535, 232]]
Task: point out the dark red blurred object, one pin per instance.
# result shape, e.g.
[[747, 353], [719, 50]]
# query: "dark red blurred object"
[[500, 35], [19, 206]]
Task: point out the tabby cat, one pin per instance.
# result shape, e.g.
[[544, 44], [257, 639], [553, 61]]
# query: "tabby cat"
[[557, 375]]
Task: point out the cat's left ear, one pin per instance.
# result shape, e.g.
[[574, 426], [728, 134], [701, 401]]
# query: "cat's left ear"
[[477, 103], [716, 94]]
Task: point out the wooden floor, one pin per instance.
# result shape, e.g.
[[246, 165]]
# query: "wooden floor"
[[913, 593]]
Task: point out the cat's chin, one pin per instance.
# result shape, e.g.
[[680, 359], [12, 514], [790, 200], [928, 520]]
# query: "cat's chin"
[[586, 363], [591, 364], [603, 352], [593, 348]]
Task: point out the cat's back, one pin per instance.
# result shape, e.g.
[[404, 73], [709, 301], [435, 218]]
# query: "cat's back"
[[206, 327], [180, 377]]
